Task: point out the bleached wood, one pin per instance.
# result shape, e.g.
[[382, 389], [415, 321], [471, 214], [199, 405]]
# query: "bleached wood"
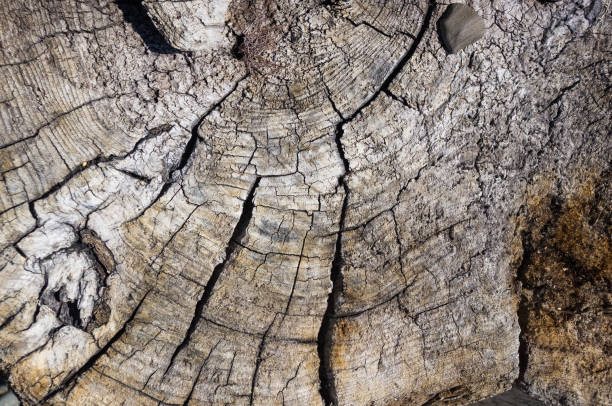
[[341, 222]]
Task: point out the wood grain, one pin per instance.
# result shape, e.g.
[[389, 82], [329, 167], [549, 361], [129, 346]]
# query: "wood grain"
[[340, 222]]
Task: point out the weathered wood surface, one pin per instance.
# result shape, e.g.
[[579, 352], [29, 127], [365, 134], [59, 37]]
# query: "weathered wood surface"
[[339, 216]]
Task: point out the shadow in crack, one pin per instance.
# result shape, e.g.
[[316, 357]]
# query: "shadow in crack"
[[513, 397], [135, 14]]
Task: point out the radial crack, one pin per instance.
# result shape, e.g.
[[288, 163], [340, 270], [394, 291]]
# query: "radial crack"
[[195, 382], [237, 235], [191, 144], [260, 349], [324, 339], [189, 149]]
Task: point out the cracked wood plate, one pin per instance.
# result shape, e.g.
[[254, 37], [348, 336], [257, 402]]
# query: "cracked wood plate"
[[301, 202]]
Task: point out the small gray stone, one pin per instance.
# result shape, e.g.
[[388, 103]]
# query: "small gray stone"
[[511, 398], [9, 400], [459, 27]]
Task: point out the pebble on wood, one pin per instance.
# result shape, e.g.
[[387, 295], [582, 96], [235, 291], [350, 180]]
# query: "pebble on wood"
[[459, 27]]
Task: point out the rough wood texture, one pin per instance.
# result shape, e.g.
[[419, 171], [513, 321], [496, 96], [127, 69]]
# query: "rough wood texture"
[[339, 215], [565, 309], [190, 25]]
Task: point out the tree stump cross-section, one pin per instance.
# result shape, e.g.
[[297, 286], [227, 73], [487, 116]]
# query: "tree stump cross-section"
[[302, 202]]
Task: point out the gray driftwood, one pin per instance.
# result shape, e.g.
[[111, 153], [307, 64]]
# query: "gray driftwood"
[[337, 213], [459, 27]]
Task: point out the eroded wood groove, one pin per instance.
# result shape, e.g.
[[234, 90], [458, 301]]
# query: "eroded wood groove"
[[237, 235], [325, 337]]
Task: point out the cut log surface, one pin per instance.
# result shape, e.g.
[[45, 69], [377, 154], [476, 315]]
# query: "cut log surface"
[[301, 202], [459, 27]]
